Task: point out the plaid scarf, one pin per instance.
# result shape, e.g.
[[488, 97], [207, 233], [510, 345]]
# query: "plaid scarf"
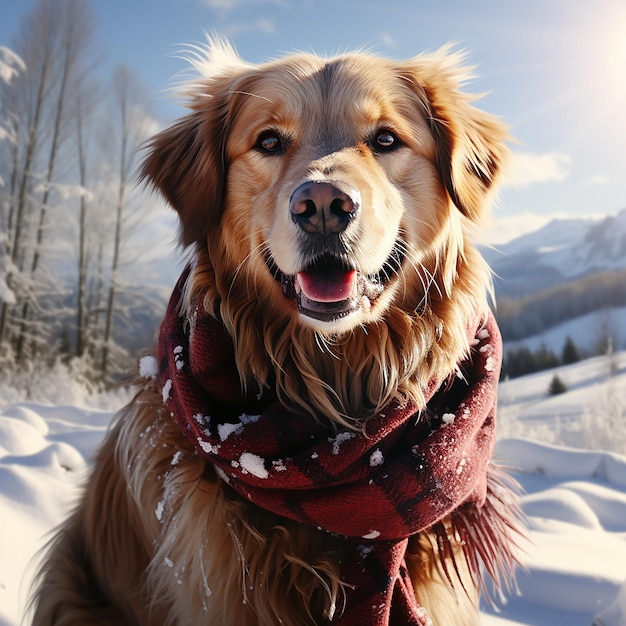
[[411, 470]]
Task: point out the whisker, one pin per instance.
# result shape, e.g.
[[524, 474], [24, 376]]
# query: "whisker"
[[260, 247], [426, 278]]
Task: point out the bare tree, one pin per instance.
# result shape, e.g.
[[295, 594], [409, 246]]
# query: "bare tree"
[[64, 191], [27, 105], [82, 150], [55, 41], [76, 37], [10, 66], [87, 97], [130, 102], [75, 33]]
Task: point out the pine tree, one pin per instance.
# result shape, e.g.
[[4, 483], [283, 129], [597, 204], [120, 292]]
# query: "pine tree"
[[570, 352], [557, 386]]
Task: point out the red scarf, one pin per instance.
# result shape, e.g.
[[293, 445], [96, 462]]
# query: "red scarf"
[[412, 469]]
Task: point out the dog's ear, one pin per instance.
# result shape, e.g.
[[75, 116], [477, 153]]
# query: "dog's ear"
[[186, 164], [471, 144]]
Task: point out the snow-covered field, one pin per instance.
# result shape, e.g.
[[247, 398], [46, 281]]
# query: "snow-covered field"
[[575, 499]]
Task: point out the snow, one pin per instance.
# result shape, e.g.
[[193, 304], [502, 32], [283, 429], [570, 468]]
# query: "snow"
[[574, 497], [448, 418], [569, 247], [148, 367], [6, 295], [177, 458], [338, 440], [376, 458], [10, 64], [178, 358], [592, 414], [575, 561], [159, 510], [65, 192], [372, 534], [253, 464], [209, 448], [226, 430], [6, 265], [167, 387]]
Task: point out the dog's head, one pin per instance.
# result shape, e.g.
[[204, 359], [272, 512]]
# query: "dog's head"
[[332, 188]]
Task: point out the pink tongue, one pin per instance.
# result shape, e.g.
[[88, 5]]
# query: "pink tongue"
[[320, 287]]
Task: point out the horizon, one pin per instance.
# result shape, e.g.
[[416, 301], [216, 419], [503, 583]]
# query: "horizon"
[[554, 71]]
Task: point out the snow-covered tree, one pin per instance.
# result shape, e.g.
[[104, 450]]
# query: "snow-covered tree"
[[10, 67], [55, 40], [131, 127], [67, 174]]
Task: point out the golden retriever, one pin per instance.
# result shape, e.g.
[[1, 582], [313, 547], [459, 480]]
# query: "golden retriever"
[[329, 205]]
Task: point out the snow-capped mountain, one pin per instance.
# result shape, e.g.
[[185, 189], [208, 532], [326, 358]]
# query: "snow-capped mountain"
[[561, 251]]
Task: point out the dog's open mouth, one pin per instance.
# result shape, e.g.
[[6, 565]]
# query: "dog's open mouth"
[[329, 288]]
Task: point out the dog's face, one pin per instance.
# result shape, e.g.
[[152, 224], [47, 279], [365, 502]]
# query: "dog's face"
[[339, 187], [326, 164]]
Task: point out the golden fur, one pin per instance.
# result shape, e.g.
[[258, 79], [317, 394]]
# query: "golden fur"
[[212, 558]]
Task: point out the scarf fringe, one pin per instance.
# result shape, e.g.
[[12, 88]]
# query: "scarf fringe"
[[490, 536]]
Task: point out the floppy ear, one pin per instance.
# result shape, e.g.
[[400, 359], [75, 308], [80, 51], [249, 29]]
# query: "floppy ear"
[[471, 148], [186, 164]]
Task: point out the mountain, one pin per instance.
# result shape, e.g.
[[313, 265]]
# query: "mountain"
[[561, 251]]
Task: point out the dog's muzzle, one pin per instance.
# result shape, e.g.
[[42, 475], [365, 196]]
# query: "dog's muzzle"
[[330, 285]]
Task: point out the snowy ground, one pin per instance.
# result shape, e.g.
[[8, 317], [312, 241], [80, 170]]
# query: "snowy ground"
[[575, 499]]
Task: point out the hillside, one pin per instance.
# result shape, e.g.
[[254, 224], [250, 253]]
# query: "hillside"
[[589, 333]]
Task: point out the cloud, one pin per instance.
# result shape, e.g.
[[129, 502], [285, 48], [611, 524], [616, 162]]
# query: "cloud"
[[504, 228], [228, 5], [387, 40], [598, 179], [262, 25], [243, 8], [528, 168]]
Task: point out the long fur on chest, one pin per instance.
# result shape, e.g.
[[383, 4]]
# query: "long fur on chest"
[[178, 547]]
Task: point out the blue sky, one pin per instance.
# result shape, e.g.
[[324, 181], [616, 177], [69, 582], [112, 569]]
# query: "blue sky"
[[554, 70]]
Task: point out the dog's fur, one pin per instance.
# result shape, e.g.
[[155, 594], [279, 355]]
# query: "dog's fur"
[[113, 561]]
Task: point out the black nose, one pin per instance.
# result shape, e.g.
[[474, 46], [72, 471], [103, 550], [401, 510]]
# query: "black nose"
[[324, 207]]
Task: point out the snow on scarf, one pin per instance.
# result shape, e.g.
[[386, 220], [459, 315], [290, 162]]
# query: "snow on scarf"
[[410, 471]]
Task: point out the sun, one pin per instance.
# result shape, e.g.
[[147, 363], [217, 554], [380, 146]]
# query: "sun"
[[594, 38], [610, 37]]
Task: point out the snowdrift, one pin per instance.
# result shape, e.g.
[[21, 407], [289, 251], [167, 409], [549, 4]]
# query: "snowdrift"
[[575, 501]]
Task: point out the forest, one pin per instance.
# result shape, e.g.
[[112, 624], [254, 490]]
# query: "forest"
[[70, 207], [534, 313]]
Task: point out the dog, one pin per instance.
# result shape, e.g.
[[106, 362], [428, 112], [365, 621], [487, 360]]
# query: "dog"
[[298, 449]]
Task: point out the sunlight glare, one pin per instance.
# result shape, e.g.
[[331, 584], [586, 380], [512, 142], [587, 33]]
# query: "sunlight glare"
[[613, 56]]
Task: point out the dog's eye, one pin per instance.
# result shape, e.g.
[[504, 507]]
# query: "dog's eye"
[[385, 141], [270, 142]]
